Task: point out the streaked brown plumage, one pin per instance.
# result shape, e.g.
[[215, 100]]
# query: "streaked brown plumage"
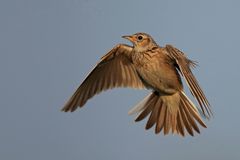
[[146, 65]]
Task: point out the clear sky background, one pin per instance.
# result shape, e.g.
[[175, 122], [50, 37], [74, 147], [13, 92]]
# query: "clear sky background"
[[47, 47]]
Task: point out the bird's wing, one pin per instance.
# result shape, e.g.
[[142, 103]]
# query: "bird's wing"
[[114, 70], [183, 64]]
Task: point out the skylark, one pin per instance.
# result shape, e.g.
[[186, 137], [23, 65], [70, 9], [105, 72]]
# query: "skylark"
[[147, 65]]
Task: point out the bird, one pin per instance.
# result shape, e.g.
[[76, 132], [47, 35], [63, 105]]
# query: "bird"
[[146, 65]]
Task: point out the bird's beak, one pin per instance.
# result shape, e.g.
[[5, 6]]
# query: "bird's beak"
[[130, 38]]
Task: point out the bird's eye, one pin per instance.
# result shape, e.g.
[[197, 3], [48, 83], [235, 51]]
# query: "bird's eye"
[[139, 38]]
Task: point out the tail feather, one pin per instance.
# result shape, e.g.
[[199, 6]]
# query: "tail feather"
[[191, 109], [185, 121], [154, 115], [190, 119], [167, 123], [174, 113], [148, 108], [161, 118], [141, 105], [180, 125]]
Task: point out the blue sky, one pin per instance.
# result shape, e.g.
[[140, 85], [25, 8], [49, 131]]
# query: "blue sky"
[[47, 48]]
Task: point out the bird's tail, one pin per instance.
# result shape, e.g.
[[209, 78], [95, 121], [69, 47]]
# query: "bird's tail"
[[174, 113]]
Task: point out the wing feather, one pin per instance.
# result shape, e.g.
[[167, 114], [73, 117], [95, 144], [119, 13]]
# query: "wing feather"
[[114, 70], [183, 64]]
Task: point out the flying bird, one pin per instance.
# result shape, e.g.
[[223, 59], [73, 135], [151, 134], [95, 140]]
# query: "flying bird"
[[146, 65]]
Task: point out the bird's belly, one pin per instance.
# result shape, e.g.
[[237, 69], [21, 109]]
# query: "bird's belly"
[[161, 77]]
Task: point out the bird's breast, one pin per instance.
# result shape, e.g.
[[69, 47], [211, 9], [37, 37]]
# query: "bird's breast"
[[157, 72]]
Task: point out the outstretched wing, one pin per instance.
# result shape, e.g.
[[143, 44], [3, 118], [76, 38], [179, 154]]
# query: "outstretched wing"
[[114, 70], [183, 64]]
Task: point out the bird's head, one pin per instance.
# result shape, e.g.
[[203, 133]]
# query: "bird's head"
[[141, 41]]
